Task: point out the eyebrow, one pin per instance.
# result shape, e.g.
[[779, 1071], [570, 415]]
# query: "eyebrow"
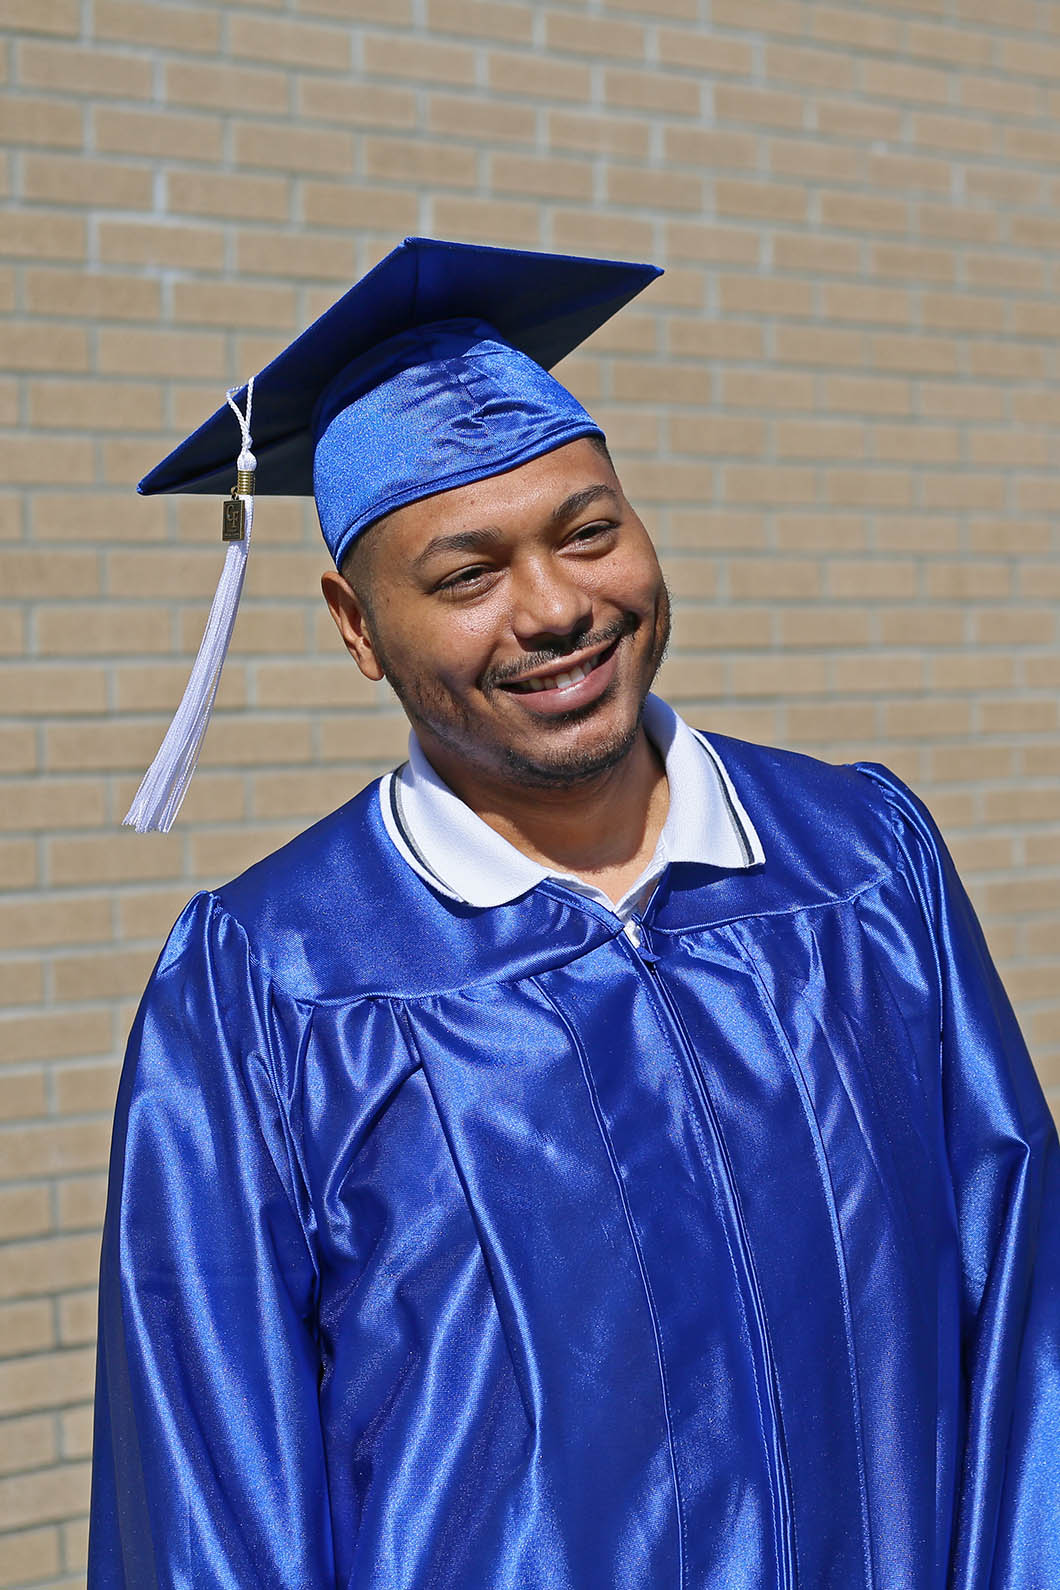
[[488, 536]]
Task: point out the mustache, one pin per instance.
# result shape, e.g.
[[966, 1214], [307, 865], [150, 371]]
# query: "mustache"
[[564, 646]]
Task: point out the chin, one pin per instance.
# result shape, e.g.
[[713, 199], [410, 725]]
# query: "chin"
[[545, 766]]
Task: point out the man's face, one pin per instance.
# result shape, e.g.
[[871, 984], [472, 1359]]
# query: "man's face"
[[520, 620]]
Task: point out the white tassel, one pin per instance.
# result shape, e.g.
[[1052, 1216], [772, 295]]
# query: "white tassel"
[[166, 781]]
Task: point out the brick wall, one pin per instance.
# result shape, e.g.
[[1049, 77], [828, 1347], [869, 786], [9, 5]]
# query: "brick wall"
[[837, 411]]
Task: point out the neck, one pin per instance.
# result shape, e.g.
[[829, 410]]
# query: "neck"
[[603, 830]]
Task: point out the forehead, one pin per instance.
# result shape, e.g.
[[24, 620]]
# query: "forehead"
[[518, 500]]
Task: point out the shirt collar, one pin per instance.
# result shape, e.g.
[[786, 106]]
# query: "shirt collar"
[[454, 850]]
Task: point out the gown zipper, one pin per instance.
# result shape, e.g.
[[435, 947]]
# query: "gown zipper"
[[633, 930]]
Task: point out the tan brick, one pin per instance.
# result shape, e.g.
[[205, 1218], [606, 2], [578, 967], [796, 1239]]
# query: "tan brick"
[[918, 444], [420, 160], [33, 346], [823, 627], [722, 629], [869, 488], [768, 391], [930, 355], [54, 1035], [855, 119], [76, 1424], [29, 1443], [1007, 360], [772, 578], [287, 148], [718, 434], [819, 439], [957, 224], [668, 482], [999, 96], [647, 90], [819, 255], [44, 1495], [760, 16], [891, 306], [983, 270], [826, 722], [821, 529], [871, 578], [812, 161], [662, 190], [929, 719], [231, 304], [30, 1554], [708, 148], [176, 244], [359, 104], [51, 1264], [147, 687], [45, 236], [818, 345], [496, 123], [220, 854], [210, 85], [81, 1202], [422, 60], [814, 69], [24, 1211], [758, 106], [768, 484], [34, 460], [392, 12], [864, 30], [597, 37], [32, 804], [95, 405], [720, 245], [901, 259], [64, 179], [776, 676], [33, 120], [701, 527], [715, 339], [295, 256], [770, 201], [22, 981], [253, 198], [174, 135], [178, 353], [899, 80], [696, 49], [290, 44], [22, 1095], [18, 865], [24, 1326], [120, 859], [485, 19], [88, 1089], [94, 295], [163, 27], [594, 133], [74, 70], [586, 231], [863, 212], [963, 135]]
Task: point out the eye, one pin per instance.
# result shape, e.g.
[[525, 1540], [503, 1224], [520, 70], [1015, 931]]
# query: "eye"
[[463, 579], [592, 532]]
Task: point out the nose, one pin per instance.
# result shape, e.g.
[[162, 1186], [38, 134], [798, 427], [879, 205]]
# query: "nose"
[[548, 605]]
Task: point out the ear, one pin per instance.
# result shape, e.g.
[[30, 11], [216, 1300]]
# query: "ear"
[[351, 621]]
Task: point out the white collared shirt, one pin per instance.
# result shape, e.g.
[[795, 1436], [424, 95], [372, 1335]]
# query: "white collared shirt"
[[459, 854]]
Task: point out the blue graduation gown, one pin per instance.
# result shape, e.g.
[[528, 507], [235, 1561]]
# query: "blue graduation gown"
[[460, 1249]]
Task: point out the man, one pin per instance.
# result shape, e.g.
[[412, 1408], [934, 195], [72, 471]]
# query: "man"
[[598, 1155]]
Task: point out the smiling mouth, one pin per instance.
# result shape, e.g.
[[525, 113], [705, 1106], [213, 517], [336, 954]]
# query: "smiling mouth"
[[564, 680]]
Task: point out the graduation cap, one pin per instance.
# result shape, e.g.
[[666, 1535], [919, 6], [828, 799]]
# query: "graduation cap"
[[430, 372]]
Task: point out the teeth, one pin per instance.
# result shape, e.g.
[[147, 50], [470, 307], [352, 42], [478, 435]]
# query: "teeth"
[[572, 676]]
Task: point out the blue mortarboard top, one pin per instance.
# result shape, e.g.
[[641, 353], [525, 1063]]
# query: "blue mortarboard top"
[[429, 373]]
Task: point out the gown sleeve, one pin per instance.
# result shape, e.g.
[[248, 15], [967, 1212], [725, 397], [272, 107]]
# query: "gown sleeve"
[[1004, 1163], [208, 1462]]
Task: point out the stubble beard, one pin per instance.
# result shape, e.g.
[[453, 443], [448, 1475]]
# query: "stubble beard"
[[447, 717]]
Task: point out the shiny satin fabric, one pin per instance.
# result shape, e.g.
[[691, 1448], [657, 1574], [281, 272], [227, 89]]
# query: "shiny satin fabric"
[[483, 1250]]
